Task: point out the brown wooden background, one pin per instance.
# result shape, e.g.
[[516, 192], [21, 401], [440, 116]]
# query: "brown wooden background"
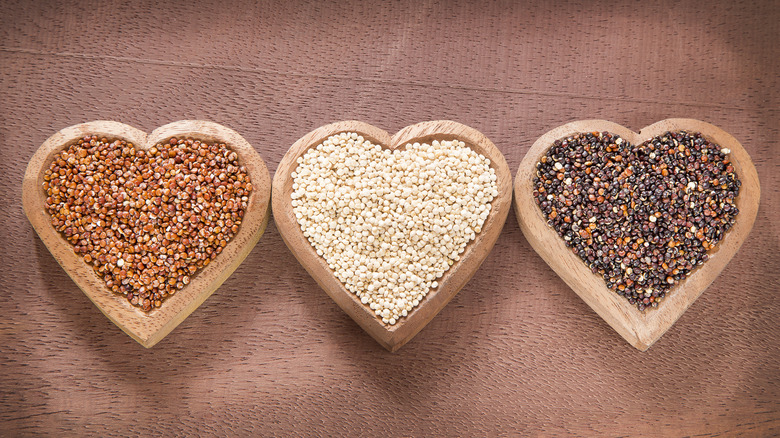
[[516, 352]]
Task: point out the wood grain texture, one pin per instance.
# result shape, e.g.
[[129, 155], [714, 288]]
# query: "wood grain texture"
[[516, 351], [394, 336], [148, 328], [640, 329]]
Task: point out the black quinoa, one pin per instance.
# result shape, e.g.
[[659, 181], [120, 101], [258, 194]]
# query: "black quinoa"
[[643, 217]]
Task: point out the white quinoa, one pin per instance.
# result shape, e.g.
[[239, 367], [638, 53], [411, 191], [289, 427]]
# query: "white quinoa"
[[391, 223]]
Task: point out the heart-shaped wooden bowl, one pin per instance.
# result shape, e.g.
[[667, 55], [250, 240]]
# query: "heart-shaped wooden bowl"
[[149, 328], [394, 336], [640, 329]]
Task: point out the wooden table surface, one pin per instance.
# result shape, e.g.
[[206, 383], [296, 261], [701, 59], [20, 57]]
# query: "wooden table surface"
[[516, 351]]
